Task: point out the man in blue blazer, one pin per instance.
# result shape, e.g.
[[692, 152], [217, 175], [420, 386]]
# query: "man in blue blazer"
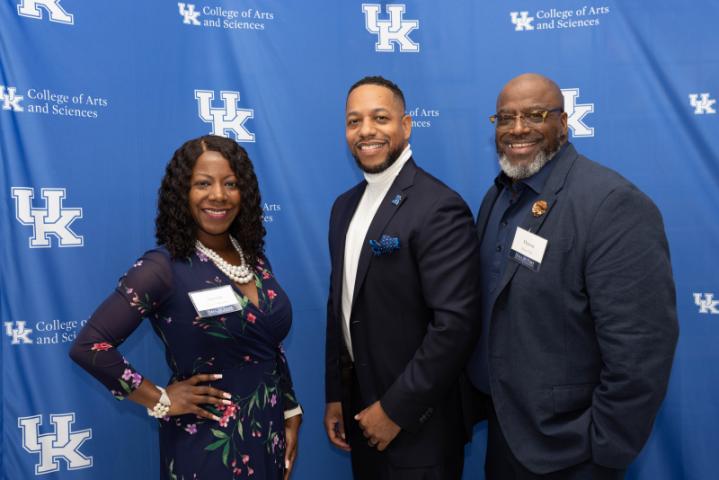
[[403, 312], [578, 304]]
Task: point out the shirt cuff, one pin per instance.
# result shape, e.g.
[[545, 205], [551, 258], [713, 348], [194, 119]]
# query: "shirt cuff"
[[293, 412]]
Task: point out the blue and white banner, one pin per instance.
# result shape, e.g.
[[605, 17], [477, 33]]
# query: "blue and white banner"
[[96, 96]]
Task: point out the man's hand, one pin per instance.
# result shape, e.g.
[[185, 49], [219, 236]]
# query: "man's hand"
[[376, 426], [335, 426]]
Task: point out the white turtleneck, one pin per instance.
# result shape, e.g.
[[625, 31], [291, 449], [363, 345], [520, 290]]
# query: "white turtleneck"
[[378, 185]]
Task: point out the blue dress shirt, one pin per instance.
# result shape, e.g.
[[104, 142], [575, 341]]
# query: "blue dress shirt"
[[513, 204]]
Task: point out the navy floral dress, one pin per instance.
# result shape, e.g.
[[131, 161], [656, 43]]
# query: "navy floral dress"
[[249, 440]]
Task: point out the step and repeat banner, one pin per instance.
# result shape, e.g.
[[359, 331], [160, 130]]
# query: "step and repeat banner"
[[95, 96]]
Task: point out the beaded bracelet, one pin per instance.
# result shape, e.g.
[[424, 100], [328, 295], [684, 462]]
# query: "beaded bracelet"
[[162, 407]]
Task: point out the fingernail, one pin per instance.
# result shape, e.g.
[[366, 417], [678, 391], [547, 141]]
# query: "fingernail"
[[226, 402], [218, 376], [216, 418], [357, 417], [287, 464], [226, 395]]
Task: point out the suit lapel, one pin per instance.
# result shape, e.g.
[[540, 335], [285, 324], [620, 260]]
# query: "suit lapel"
[[485, 209], [549, 194], [396, 196], [344, 217]]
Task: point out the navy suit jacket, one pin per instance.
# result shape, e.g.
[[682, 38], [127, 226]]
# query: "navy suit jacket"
[[415, 312], [580, 351]]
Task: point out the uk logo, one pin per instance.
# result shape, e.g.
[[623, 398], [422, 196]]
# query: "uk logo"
[[54, 219], [576, 113], [31, 9], [392, 31], [702, 103], [18, 333], [706, 303], [521, 21], [10, 99], [61, 444], [189, 15], [228, 119]]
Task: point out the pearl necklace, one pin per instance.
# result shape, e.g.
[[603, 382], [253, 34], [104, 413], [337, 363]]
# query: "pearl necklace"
[[237, 273]]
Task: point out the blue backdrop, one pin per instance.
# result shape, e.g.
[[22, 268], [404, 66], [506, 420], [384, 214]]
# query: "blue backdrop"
[[95, 96]]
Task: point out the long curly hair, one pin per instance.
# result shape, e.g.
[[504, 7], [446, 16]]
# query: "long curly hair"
[[175, 228]]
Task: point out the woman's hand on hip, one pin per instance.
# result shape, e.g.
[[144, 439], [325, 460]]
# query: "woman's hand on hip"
[[186, 396]]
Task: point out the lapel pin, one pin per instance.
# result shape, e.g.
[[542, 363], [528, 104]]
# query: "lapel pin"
[[397, 198], [539, 208]]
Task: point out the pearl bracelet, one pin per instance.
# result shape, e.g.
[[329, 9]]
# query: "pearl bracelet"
[[162, 407]]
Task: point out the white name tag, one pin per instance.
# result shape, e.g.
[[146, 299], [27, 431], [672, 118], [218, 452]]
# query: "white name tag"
[[215, 301], [528, 249]]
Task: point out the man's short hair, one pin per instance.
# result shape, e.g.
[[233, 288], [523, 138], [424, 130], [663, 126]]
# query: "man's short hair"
[[383, 82]]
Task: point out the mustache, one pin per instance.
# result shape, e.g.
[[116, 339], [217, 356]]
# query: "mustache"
[[521, 138]]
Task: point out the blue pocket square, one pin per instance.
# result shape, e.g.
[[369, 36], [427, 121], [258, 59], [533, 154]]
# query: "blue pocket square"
[[385, 246]]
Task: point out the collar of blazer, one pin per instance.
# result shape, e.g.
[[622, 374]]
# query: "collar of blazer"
[[564, 162], [389, 206], [385, 212]]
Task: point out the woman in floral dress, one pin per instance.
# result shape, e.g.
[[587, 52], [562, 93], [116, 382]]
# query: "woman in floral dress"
[[229, 410]]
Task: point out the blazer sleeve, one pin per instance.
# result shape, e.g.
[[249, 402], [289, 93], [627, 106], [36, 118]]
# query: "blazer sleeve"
[[632, 301], [447, 255], [333, 386]]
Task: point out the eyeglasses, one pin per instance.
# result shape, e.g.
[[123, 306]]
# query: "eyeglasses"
[[534, 118]]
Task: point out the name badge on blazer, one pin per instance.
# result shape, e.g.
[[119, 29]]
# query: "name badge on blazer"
[[215, 301], [528, 249]]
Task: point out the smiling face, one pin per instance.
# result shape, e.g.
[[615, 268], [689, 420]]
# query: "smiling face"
[[524, 147], [376, 128], [214, 198]]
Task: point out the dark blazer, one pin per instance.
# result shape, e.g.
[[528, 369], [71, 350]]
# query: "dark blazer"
[[580, 352], [415, 312]]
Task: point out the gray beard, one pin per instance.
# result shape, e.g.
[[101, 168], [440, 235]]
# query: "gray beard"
[[525, 170]]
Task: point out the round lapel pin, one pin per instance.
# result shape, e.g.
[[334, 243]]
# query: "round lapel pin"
[[539, 208]]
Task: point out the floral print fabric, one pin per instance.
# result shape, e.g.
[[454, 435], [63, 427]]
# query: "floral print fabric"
[[248, 441]]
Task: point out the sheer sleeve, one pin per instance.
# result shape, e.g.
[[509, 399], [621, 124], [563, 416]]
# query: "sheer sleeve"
[[140, 293]]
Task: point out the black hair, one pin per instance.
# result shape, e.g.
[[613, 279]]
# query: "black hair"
[[176, 230], [383, 82]]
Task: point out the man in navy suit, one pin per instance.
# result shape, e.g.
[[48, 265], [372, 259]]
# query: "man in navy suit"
[[403, 312], [578, 304]]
